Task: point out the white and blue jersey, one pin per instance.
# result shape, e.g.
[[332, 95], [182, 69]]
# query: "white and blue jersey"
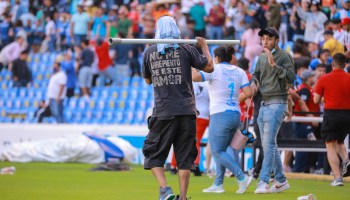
[[224, 87]]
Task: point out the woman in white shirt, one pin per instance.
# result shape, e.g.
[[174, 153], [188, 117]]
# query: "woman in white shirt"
[[224, 86]]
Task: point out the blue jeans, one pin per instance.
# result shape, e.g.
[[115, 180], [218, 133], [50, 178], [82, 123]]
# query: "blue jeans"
[[269, 120], [110, 73], [57, 110], [215, 32], [222, 127], [78, 39]]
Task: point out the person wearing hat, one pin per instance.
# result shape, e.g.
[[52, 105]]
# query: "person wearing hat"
[[333, 45], [273, 74], [345, 40], [173, 122], [337, 30], [314, 20], [333, 89], [306, 130]]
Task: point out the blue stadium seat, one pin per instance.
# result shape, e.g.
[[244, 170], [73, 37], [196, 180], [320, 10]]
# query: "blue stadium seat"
[[133, 93], [143, 94], [109, 116], [95, 92], [68, 116], [35, 102], [34, 67], [111, 104], [123, 93], [98, 115], [82, 104], [119, 116], [13, 92], [73, 103], [141, 104], [140, 117], [114, 92], [18, 102], [104, 93], [101, 104], [121, 104], [129, 117], [22, 92], [36, 58], [40, 93], [44, 58], [26, 103], [3, 85], [131, 104]]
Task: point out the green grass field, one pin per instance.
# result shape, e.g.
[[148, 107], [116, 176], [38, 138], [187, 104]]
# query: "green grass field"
[[53, 181]]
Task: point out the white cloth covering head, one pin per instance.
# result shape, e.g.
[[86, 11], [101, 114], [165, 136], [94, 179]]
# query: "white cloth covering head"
[[167, 29]]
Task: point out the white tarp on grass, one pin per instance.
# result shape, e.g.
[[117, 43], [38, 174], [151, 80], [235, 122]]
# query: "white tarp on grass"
[[75, 148]]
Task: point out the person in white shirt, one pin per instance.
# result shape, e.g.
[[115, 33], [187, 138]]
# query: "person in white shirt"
[[12, 51], [56, 92], [224, 88], [50, 34]]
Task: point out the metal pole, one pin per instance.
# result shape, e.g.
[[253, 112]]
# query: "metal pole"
[[112, 41]]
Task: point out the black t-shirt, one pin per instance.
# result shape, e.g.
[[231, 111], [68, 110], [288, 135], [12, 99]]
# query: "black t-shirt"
[[172, 79], [304, 94]]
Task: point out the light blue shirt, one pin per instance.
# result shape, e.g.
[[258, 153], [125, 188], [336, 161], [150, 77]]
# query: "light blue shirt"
[[81, 22]]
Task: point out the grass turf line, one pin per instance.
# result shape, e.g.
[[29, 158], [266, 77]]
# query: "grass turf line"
[[57, 181]]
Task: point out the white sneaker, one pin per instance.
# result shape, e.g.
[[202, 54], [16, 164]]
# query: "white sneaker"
[[262, 188], [279, 187], [244, 184], [214, 189], [307, 197], [337, 182]]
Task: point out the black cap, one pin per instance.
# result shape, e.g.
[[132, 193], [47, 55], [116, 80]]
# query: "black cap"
[[328, 32], [269, 31]]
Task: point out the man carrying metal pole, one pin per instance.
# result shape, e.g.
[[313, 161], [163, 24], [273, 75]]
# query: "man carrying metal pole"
[[173, 121]]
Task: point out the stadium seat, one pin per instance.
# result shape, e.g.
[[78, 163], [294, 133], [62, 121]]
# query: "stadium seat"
[[140, 117], [121, 104], [73, 103], [129, 117], [22, 92], [119, 116], [133, 93], [111, 104], [101, 104], [114, 92], [9, 104], [82, 104], [26, 103], [13, 92], [44, 58], [131, 104], [18, 102]]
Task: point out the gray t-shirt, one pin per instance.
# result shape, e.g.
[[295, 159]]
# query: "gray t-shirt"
[[172, 79]]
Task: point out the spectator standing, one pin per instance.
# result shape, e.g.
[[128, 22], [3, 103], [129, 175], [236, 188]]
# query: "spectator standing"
[[6, 31], [173, 121], [122, 55], [274, 72], [50, 34], [124, 25], [274, 14], [251, 42], [105, 64], [345, 40], [216, 21], [134, 17], [100, 25], [235, 18], [80, 25], [21, 73], [333, 88], [314, 20], [67, 66], [48, 9], [85, 72], [199, 16], [12, 51], [56, 92]]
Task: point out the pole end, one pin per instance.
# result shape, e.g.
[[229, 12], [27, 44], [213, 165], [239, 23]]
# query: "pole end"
[[110, 41]]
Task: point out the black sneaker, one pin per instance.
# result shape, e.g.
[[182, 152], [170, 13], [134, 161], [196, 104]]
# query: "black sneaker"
[[173, 171], [178, 197], [197, 171]]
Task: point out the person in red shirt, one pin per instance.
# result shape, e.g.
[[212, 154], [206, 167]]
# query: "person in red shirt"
[[335, 90], [105, 63], [305, 130]]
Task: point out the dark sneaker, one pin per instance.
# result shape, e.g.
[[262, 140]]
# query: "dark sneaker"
[[346, 169], [197, 171], [166, 194], [178, 197], [173, 171]]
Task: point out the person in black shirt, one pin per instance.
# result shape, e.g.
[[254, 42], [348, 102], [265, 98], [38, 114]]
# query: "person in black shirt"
[[21, 74], [173, 121]]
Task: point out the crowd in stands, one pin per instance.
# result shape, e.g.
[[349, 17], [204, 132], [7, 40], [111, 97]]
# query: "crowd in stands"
[[103, 83]]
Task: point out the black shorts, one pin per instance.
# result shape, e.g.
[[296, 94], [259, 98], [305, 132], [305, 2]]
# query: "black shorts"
[[70, 92], [335, 125], [179, 131]]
